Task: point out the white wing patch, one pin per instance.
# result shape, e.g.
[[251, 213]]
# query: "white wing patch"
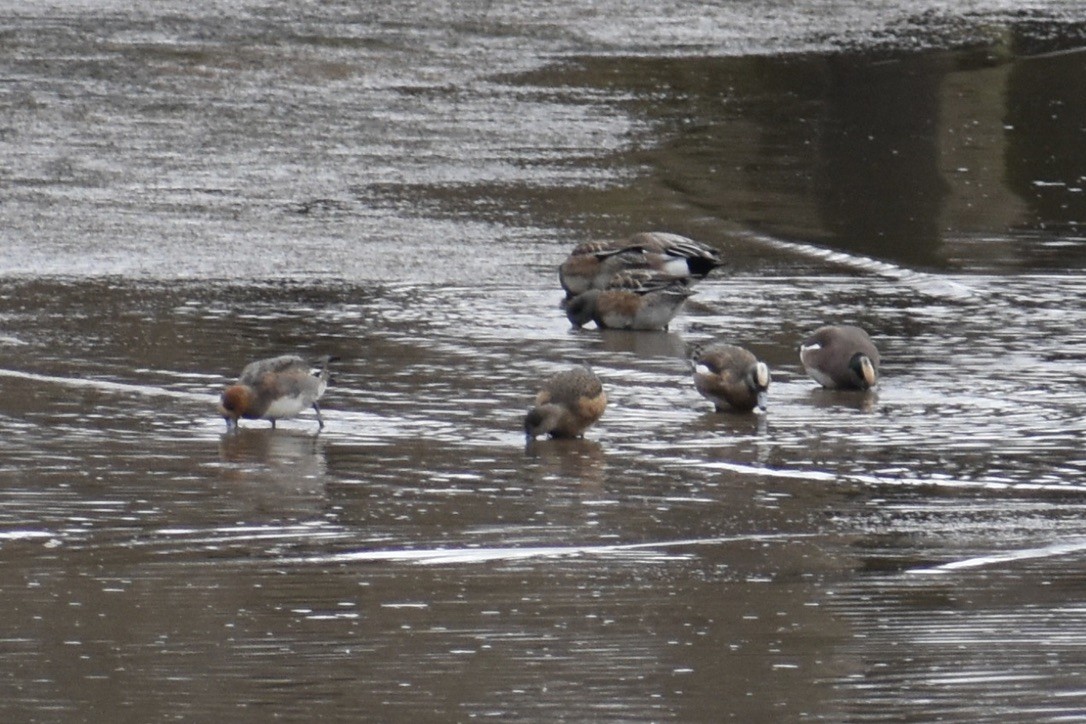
[[676, 267]]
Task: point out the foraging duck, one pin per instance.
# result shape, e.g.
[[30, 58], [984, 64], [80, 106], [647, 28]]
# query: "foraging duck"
[[682, 256], [841, 357], [730, 377], [591, 265], [566, 405], [271, 389], [638, 299]]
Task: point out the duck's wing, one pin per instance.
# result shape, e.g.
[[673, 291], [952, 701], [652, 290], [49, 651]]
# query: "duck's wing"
[[569, 387], [699, 255], [255, 372], [726, 360], [645, 281], [593, 247]]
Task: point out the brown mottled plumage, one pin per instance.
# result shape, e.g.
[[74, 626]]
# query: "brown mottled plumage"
[[591, 265], [638, 299], [730, 377], [566, 405], [841, 357]]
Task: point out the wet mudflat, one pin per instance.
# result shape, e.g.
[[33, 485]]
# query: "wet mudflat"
[[184, 192]]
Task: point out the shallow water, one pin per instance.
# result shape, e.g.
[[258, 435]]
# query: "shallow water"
[[185, 191]]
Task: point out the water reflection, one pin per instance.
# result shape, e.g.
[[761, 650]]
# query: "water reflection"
[[732, 422], [1045, 156], [859, 400], [643, 344], [876, 169], [287, 535], [580, 461], [281, 471], [279, 450], [365, 184], [906, 156]]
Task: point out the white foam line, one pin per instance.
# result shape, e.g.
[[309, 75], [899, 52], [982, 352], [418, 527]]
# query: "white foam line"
[[242, 530], [1053, 53], [926, 283], [483, 555], [1025, 554], [880, 480], [120, 387], [763, 472], [25, 534]]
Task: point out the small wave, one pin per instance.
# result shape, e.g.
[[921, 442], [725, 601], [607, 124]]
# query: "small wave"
[[108, 386], [234, 535], [927, 284], [829, 476], [1023, 554], [440, 556], [25, 535]]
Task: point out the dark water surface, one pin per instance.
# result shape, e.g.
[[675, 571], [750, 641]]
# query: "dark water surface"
[[183, 190]]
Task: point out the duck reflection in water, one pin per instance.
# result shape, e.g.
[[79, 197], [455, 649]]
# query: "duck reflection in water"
[[280, 468], [576, 460], [859, 400], [643, 344]]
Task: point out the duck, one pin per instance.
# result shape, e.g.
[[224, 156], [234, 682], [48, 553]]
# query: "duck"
[[841, 357], [274, 388], [592, 264], [730, 377], [682, 256], [638, 299], [567, 404]]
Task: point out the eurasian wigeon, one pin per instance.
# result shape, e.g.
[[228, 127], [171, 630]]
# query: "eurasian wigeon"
[[637, 299], [841, 357], [566, 405], [272, 389], [730, 377]]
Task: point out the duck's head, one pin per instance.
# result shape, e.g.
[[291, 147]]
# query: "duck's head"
[[541, 420], [581, 308], [758, 381], [234, 402], [863, 369]]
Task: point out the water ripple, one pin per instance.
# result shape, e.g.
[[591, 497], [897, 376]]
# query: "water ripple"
[[645, 552]]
